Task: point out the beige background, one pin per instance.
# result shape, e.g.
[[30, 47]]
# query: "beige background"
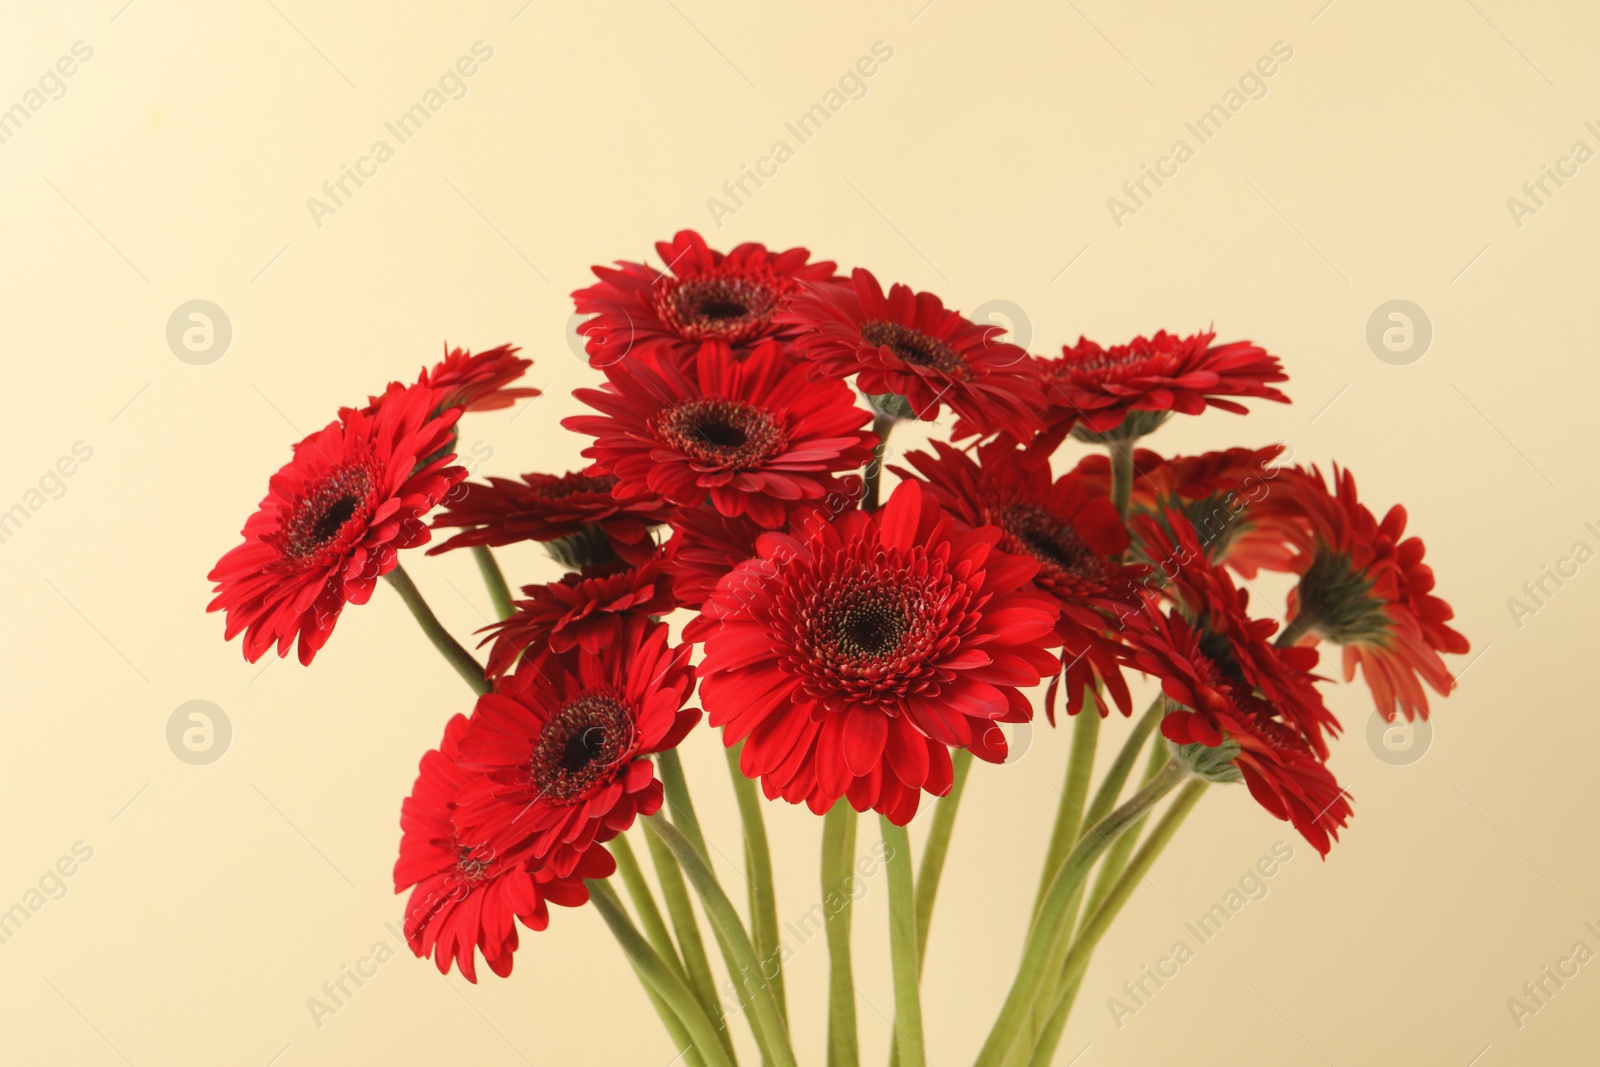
[[178, 165]]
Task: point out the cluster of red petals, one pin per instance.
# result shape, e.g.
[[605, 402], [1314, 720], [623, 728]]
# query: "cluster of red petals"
[[850, 656], [908, 344], [479, 382], [560, 747], [550, 507], [468, 892], [334, 519], [752, 435], [1071, 529], [705, 300], [1364, 585], [1095, 387], [585, 609]]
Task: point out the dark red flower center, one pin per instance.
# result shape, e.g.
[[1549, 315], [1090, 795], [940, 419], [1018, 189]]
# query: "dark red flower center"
[[322, 515], [732, 306], [722, 433], [576, 485], [473, 863], [914, 347], [1058, 547], [581, 747]]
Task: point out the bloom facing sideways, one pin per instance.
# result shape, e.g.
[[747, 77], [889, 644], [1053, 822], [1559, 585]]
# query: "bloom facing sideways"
[[852, 655], [1070, 528], [752, 435], [551, 508], [561, 745], [707, 299], [908, 344], [466, 890], [1363, 585], [334, 519], [1097, 387]]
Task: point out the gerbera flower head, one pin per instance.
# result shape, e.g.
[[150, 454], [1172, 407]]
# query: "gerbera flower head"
[[908, 345], [851, 655], [1128, 390], [705, 545], [466, 890], [1364, 585], [562, 745], [587, 609], [705, 299], [576, 515], [333, 522], [752, 435], [479, 382], [1070, 528]]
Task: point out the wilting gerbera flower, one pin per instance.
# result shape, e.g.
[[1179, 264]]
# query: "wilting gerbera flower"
[[468, 890], [753, 435], [333, 522], [1231, 498], [1240, 647], [908, 344], [1071, 528], [576, 514], [586, 610], [851, 656], [1363, 585], [562, 746], [1097, 388], [706, 299]]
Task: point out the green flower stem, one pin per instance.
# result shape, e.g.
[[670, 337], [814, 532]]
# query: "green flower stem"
[[458, 657], [1069, 813], [1121, 475], [881, 425], [838, 862], [903, 945], [1038, 956], [1083, 946], [644, 902], [697, 966], [937, 846], [765, 1017], [697, 1029], [495, 579], [1116, 860], [758, 865]]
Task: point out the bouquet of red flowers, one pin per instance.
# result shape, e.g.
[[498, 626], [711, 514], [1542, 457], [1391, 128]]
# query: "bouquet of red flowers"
[[855, 652]]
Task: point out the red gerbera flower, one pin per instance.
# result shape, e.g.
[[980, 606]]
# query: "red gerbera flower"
[[1363, 585], [754, 435], [707, 299], [907, 344], [1071, 528], [334, 520], [705, 545], [468, 889], [478, 382], [1097, 387], [852, 656], [566, 508], [583, 610], [562, 747]]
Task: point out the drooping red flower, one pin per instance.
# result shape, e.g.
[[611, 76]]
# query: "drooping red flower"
[[753, 435], [469, 889], [908, 344], [551, 508], [1096, 387], [587, 609], [478, 382], [851, 656], [562, 746], [334, 520], [706, 299], [1364, 585], [1071, 528]]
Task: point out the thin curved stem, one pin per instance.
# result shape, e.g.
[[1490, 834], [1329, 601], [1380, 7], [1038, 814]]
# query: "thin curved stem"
[[881, 425], [903, 944], [495, 579], [700, 1032], [725, 920], [459, 658], [644, 902], [1121, 475], [696, 965], [1069, 813], [758, 865], [937, 847], [1038, 956], [838, 860]]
